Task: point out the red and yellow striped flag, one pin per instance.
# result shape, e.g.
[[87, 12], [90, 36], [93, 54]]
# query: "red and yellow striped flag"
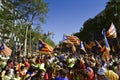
[[74, 39], [112, 33], [5, 50], [44, 47]]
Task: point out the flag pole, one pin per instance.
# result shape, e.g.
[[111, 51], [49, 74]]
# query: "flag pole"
[[60, 48], [107, 46], [118, 43], [118, 47]]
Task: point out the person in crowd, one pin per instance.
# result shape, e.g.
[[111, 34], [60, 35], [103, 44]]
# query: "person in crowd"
[[61, 66], [118, 70], [101, 74], [39, 76], [110, 74], [7, 75], [16, 75], [23, 72], [62, 75]]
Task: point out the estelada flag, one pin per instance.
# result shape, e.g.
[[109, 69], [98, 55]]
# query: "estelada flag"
[[106, 48], [111, 32], [105, 40], [5, 50], [44, 47], [74, 39], [68, 42], [97, 44], [82, 46]]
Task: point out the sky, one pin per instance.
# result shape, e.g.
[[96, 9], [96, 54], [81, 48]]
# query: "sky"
[[68, 16]]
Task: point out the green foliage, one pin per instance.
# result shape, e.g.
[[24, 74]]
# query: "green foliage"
[[16, 15], [32, 9], [92, 28]]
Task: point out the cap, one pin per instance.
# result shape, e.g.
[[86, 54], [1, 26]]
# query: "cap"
[[101, 71]]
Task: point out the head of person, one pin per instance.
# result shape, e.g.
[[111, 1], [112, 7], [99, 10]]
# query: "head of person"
[[63, 73], [101, 73], [17, 73], [118, 66], [41, 73]]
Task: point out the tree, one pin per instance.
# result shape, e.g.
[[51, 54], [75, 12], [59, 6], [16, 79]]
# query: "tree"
[[92, 27], [17, 16], [32, 10], [112, 12]]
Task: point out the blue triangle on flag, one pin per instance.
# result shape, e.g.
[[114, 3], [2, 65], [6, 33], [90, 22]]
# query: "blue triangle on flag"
[[64, 38], [40, 45], [2, 46]]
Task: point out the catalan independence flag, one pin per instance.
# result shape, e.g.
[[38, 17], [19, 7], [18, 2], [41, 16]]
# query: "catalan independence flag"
[[44, 47], [106, 48], [105, 40], [74, 39], [111, 32], [5, 50], [97, 44]]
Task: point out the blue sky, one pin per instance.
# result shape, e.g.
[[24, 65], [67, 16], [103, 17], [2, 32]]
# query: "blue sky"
[[68, 16]]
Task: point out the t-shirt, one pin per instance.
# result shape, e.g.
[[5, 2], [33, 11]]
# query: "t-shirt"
[[3, 64], [111, 75], [64, 78], [59, 78]]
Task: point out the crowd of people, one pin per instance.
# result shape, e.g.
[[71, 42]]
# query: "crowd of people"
[[61, 66]]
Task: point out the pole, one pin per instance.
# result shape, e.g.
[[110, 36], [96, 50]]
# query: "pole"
[[118, 43], [118, 47], [30, 40], [61, 49], [25, 43]]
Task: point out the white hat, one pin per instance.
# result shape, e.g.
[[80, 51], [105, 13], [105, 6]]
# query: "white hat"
[[101, 71]]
